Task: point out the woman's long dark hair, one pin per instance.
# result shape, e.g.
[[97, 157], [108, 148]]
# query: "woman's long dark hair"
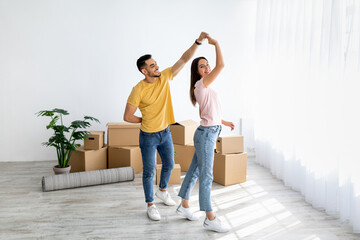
[[195, 76]]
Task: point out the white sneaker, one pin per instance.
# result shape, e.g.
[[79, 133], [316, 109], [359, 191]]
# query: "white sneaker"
[[165, 197], [153, 213], [186, 212], [215, 225]]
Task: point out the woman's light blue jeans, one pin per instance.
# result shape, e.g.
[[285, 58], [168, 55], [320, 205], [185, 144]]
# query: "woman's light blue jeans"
[[201, 166], [149, 143]]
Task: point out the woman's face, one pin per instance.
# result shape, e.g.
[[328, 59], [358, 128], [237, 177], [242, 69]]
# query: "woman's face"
[[203, 68]]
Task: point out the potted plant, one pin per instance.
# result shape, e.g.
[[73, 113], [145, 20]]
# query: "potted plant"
[[65, 137]]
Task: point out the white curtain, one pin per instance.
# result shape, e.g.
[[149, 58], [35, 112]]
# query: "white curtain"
[[306, 100]]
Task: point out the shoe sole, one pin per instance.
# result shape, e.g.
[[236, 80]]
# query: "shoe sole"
[[181, 214], [153, 218], [215, 230]]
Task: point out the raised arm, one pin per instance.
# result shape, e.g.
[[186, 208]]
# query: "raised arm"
[[129, 114], [219, 63], [187, 55]]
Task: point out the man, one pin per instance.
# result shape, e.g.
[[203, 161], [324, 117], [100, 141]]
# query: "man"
[[152, 96]]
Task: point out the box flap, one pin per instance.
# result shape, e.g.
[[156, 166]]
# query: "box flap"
[[123, 125], [231, 136], [124, 147], [81, 149], [186, 123], [97, 132]]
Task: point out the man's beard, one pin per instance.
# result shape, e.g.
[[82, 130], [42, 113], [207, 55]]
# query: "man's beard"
[[154, 75]]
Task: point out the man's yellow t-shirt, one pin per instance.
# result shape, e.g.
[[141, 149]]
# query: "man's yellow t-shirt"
[[154, 102]]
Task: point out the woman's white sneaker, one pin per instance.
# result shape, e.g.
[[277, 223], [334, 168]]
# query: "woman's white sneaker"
[[215, 225], [165, 197], [153, 213], [187, 213]]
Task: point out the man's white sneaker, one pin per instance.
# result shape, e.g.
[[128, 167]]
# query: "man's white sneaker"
[[153, 213], [165, 197], [187, 213], [215, 225]]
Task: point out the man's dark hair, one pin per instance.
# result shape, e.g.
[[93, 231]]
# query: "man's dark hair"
[[141, 61]]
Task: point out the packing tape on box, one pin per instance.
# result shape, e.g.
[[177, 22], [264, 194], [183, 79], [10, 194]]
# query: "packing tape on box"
[[90, 178]]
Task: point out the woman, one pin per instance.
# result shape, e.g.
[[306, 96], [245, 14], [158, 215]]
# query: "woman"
[[204, 139]]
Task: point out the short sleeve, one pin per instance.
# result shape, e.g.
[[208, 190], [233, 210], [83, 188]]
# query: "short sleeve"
[[134, 98], [167, 74], [200, 84]]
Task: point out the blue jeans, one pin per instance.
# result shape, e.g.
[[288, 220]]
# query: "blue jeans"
[[149, 143], [201, 166]]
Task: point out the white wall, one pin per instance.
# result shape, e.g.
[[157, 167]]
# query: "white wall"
[[80, 55]]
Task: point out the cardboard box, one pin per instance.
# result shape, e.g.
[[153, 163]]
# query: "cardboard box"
[[175, 177], [230, 144], [184, 155], [95, 140], [230, 168], [158, 158], [183, 132], [88, 160], [120, 156], [123, 134]]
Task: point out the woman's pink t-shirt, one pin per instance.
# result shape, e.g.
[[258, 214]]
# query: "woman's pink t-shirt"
[[208, 103]]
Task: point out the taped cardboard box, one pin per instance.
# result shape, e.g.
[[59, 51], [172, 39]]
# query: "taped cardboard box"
[[183, 155], [88, 160], [175, 177], [123, 134], [230, 168], [230, 144], [183, 132], [158, 158], [120, 156], [95, 140]]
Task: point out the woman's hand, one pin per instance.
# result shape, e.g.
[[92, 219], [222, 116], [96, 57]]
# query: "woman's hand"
[[211, 40], [229, 124]]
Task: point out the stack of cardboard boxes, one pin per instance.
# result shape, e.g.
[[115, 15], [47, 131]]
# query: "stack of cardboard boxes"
[[123, 150], [230, 160], [92, 155], [123, 143]]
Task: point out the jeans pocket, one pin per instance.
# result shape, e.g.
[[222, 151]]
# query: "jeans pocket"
[[214, 129]]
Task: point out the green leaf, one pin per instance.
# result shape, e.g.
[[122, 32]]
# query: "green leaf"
[[61, 111], [48, 144], [52, 122], [91, 118], [80, 124], [70, 147], [80, 135], [59, 129], [45, 113]]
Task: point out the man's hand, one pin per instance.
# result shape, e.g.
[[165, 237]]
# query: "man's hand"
[[202, 37], [129, 114]]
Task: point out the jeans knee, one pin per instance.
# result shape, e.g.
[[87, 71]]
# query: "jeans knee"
[[148, 173], [169, 165]]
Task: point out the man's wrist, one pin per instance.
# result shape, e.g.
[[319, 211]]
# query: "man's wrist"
[[197, 42]]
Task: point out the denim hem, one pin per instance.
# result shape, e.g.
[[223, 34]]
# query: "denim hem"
[[202, 209]]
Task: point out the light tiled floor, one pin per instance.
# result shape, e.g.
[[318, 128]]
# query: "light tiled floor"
[[261, 208]]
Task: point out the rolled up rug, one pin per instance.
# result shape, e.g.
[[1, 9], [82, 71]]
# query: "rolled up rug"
[[90, 178]]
